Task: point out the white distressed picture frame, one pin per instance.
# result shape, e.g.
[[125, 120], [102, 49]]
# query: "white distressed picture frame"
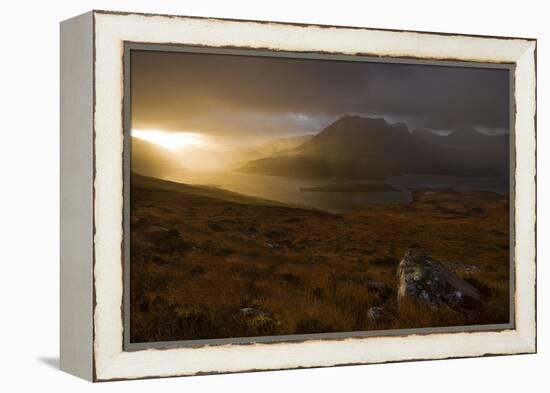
[[92, 151]]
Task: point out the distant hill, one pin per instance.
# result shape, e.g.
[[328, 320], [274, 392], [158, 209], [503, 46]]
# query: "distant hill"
[[151, 183], [470, 140], [267, 149], [362, 147]]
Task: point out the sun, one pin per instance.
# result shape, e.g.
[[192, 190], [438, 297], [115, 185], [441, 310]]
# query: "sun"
[[170, 140]]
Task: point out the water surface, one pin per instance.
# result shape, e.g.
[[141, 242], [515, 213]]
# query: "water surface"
[[288, 190]]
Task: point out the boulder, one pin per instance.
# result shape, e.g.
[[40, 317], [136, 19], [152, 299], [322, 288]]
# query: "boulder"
[[423, 279]]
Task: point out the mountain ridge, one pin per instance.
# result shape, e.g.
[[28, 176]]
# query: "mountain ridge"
[[363, 147]]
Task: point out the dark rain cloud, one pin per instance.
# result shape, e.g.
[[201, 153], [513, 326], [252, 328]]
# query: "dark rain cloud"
[[223, 94]]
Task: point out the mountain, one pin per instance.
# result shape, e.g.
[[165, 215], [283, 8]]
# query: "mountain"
[[470, 140], [362, 147]]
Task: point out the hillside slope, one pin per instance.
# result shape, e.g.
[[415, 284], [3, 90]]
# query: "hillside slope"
[[150, 183]]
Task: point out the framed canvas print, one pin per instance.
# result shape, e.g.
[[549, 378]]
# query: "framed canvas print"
[[245, 195]]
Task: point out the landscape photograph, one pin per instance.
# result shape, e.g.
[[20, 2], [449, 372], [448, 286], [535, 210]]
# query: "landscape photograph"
[[283, 196]]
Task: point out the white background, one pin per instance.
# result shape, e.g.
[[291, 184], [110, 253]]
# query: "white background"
[[29, 204]]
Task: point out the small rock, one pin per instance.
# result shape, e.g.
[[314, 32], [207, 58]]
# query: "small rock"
[[253, 312], [273, 245], [424, 279], [375, 313], [470, 269]]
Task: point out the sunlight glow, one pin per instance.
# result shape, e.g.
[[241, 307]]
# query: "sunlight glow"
[[171, 140]]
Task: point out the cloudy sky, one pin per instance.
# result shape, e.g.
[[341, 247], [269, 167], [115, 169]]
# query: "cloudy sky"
[[236, 98]]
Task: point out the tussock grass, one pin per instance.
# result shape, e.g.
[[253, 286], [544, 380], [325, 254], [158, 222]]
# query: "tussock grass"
[[190, 280]]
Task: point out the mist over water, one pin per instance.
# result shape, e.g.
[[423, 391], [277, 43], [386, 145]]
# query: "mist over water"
[[287, 190]]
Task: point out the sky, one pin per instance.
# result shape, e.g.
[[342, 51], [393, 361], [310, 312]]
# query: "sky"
[[246, 99]]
